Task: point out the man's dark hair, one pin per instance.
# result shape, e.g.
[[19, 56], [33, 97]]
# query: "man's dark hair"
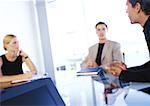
[[99, 23], [145, 5]]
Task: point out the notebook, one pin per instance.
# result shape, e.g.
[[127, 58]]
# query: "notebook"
[[98, 71], [89, 71]]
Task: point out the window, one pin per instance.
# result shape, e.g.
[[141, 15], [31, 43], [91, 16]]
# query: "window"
[[71, 25]]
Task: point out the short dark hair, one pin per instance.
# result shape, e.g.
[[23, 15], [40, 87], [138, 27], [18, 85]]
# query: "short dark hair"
[[145, 5], [99, 23]]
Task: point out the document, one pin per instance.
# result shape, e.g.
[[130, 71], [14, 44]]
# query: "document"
[[89, 71], [19, 81], [34, 77]]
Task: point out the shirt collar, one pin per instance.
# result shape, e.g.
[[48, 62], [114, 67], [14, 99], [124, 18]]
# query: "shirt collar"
[[146, 23]]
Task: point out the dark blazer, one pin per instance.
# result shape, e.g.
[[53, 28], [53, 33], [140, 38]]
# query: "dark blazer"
[[140, 73]]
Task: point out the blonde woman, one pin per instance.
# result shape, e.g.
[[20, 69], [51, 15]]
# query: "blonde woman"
[[11, 62]]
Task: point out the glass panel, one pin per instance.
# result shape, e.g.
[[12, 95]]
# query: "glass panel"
[[72, 32]]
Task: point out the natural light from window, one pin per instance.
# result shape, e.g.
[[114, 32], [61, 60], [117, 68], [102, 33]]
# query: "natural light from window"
[[72, 32]]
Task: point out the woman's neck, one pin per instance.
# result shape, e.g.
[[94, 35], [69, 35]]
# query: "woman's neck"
[[11, 56]]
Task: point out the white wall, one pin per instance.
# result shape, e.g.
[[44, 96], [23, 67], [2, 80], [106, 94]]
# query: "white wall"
[[72, 24], [18, 17]]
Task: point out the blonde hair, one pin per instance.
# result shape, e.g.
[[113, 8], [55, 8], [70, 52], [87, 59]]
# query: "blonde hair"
[[7, 40]]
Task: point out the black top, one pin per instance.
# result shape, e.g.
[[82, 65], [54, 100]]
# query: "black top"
[[139, 73], [99, 53], [11, 68]]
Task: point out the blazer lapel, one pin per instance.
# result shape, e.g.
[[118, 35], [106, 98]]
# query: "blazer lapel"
[[106, 47], [95, 51]]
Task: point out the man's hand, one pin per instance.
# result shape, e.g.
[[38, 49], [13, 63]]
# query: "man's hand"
[[91, 64], [115, 68]]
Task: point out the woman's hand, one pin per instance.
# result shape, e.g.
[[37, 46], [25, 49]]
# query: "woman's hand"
[[23, 54]]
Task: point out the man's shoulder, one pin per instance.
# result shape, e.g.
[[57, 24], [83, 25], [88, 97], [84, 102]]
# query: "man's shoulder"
[[113, 42], [93, 46]]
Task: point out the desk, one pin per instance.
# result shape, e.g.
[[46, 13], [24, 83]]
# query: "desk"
[[133, 98], [9, 84], [139, 85], [137, 98], [5, 85], [37, 92], [89, 91]]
